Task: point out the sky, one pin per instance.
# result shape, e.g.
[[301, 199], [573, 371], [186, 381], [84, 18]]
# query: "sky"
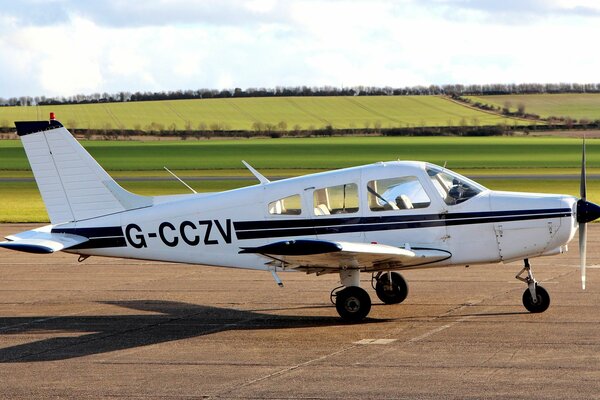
[[68, 47]]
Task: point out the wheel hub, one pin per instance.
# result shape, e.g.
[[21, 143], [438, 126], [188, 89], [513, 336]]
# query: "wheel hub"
[[352, 304]]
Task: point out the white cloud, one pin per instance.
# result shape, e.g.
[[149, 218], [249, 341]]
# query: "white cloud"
[[261, 6], [182, 44]]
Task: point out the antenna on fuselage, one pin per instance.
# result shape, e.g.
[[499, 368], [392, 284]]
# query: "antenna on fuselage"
[[180, 180], [257, 174]]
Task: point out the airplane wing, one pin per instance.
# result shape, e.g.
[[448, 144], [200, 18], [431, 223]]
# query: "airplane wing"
[[324, 256], [42, 241]]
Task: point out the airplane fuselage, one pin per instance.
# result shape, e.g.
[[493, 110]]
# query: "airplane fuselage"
[[210, 229]]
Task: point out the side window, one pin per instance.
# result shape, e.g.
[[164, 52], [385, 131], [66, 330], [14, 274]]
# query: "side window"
[[290, 205], [397, 194], [340, 199]]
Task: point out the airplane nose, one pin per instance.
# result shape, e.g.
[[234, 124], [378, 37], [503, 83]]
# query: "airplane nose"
[[587, 211]]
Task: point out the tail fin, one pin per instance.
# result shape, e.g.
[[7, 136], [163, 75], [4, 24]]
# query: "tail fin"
[[73, 185]]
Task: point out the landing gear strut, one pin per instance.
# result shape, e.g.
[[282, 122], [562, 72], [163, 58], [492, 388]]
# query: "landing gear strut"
[[535, 298], [352, 303], [391, 288]]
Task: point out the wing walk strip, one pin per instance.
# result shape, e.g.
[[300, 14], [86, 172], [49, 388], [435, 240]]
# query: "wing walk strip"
[[272, 229], [112, 236]]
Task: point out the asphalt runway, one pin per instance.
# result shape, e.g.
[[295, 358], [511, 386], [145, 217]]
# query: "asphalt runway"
[[112, 328]]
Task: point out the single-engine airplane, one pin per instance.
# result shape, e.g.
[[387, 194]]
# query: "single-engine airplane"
[[377, 218]]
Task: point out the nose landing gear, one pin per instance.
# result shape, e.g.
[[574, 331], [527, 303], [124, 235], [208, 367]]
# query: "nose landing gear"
[[535, 298]]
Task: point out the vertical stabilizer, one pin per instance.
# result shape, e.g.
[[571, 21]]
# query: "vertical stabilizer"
[[73, 185]]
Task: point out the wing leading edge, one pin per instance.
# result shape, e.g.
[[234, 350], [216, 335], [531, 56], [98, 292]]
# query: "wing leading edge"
[[328, 256]]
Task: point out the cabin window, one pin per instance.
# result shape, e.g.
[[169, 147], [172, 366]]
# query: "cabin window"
[[290, 205], [397, 194], [340, 199], [453, 188]]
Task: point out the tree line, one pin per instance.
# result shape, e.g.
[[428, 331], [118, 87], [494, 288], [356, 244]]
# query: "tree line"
[[299, 91]]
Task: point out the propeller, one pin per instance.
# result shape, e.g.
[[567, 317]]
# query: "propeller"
[[586, 212], [582, 225]]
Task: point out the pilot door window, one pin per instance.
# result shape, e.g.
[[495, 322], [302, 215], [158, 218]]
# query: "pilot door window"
[[397, 194], [340, 199], [291, 205]]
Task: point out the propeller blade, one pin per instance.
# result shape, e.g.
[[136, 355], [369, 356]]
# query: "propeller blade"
[[582, 251], [584, 209], [582, 183]]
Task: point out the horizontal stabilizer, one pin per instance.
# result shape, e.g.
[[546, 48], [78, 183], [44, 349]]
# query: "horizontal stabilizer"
[[324, 255], [42, 241]]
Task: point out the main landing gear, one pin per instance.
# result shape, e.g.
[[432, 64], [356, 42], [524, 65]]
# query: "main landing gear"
[[353, 303], [391, 288], [535, 298]]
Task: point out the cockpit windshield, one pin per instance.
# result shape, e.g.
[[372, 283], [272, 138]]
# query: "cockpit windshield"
[[454, 188]]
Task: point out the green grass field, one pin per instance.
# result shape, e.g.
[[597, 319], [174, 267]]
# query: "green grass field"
[[303, 113], [21, 201], [576, 106], [290, 157], [327, 153]]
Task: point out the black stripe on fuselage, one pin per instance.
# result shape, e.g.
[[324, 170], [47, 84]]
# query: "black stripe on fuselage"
[[99, 238], [104, 231], [101, 243], [325, 226], [112, 236]]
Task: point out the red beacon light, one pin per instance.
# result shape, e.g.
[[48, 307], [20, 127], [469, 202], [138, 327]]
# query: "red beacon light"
[[52, 116]]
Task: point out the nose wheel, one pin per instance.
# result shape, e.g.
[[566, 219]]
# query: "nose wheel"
[[535, 298], [541, 303]]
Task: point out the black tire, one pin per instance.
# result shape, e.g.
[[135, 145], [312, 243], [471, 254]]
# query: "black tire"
[[543, 300], [353, 304], [394, 293]]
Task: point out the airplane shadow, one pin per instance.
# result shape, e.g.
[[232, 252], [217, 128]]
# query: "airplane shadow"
[[78, 336]]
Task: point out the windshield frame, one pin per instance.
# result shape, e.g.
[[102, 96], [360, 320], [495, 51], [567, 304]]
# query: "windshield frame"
[[475, 187]]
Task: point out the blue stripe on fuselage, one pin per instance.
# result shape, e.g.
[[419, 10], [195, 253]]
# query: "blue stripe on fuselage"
[[323, 226]]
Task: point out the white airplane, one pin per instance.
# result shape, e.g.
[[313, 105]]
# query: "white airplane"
[[375, 218]]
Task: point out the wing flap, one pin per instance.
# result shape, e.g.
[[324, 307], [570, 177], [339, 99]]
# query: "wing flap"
[[337, 255]]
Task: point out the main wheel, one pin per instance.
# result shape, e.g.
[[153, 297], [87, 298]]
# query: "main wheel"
[[353, 303], [391, 292], [542, 303]]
